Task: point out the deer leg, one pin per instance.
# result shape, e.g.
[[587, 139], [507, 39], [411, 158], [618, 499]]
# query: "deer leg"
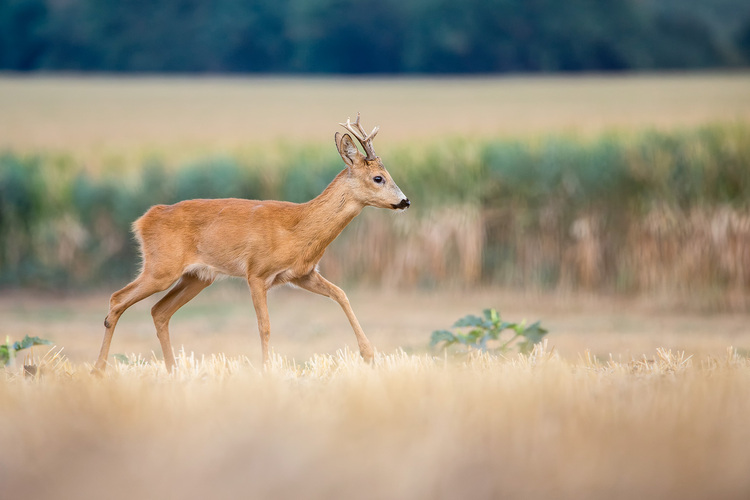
[[259, 294], [316, 283], [142, 287], [183, 292]]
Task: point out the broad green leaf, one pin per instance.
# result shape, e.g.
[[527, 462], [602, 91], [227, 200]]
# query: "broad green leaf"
[[525, 346], [442, 336], [534, 333], [520, 327], [469, 320], [30, 341], [121, 358], [493, 334], [463, 338], [4, 354], [474, 335], [492, 316], [505, 325]]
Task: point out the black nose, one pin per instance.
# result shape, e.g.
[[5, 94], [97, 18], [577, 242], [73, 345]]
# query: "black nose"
[[405, 203]]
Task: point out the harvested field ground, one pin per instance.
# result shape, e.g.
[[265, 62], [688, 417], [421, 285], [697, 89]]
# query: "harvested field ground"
[[101, 115], [559, 423], [222, 320]]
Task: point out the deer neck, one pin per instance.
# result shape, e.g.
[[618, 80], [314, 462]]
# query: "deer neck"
[[329, 213]]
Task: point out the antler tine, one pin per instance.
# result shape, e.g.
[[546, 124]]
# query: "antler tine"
[[362, 130], [362, 136], [348, 126], [373, 133]]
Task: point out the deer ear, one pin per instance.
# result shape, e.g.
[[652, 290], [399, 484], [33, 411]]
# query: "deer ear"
[[347, 149]]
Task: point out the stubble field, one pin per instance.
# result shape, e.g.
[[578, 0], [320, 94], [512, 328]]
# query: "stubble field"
[[183, 116], [630, 396]]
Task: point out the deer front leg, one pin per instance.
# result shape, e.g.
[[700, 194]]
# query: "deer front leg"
[[258, 292], [316, 283]]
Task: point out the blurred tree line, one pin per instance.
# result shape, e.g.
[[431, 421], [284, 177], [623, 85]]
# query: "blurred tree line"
[[372, 36]]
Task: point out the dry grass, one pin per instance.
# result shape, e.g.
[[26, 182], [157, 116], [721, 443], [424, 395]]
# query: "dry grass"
[[627, 399], [412, 426], [183, 116]]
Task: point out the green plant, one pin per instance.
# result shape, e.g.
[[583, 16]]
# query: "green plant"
[[8, 351], [125, 360], [486, 333]]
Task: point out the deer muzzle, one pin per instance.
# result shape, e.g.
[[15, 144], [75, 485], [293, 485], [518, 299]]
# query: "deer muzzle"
[[402, 205]]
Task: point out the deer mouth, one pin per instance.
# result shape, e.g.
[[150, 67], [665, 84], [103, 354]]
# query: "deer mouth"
[[402, 205]]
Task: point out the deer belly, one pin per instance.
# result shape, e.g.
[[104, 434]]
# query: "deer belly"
[[211, 273], [287, 275]]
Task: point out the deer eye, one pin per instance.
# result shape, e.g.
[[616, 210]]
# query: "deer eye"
[[378, 179]]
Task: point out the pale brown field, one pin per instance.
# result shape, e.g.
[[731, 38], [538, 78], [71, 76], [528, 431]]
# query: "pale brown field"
[[559, 423], [610, 408], [100, 115], [221, 320]]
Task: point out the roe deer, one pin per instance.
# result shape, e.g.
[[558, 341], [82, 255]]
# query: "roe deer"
[[266, 242]]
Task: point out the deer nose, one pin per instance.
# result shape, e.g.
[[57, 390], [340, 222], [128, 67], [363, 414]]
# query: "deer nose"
[[405, 203]]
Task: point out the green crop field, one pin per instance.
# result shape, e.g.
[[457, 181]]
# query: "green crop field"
[[613, 209]]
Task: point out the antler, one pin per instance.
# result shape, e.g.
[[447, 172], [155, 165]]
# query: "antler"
[[362, 137]]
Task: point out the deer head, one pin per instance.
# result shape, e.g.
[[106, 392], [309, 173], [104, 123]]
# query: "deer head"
[[371, 181]]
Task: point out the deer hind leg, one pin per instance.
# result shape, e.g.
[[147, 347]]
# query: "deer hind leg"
[[183, 292], [316, 283], [140, 288]]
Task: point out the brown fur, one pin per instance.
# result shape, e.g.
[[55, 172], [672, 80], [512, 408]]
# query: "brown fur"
[[268, 243]]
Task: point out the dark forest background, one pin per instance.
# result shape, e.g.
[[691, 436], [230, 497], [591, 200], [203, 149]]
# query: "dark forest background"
[[372, 36]]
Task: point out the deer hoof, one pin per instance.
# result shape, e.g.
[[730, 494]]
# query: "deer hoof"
[[367, 354]]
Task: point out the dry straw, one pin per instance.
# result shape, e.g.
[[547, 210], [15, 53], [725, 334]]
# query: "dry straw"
[[535, 426]]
